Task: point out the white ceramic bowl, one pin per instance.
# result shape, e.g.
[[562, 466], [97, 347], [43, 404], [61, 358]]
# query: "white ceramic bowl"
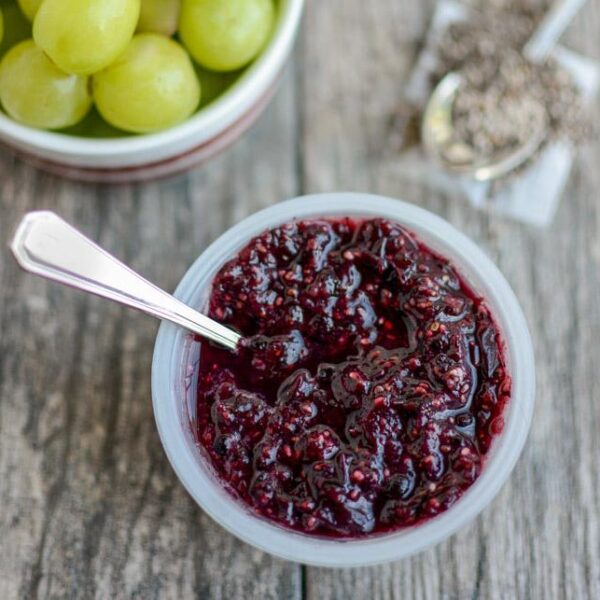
[[174, 387], [174, 150]]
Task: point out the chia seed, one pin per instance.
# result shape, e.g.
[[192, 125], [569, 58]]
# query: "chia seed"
[[505, 97]]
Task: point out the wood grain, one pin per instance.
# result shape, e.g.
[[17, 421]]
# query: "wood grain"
[[90, 508], [541, 537]]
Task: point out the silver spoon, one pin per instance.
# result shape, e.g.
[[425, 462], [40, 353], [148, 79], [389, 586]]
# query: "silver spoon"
[[437, 127], [46, 245]]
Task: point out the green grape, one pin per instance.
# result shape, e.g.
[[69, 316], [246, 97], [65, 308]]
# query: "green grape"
[[150, 87], [159, 16], [29, 7], [85, 36], [16, 27], [36, 92], [1, 26], [225, 35]]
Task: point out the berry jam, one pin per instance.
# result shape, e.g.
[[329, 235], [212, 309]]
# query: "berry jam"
[[368, 389]]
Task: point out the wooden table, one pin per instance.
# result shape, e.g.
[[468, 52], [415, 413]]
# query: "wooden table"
[[89, 506]]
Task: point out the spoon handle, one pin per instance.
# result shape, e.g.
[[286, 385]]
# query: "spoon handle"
[[46, 245], [550, 30]]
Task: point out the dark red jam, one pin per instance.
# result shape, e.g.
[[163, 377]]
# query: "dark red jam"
[[369, 388]]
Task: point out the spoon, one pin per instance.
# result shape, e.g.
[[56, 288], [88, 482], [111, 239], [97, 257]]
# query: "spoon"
[[47, 246], [438, 128]]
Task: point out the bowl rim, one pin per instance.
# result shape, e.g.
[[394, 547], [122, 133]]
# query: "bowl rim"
[[194, 473], [254, 78]]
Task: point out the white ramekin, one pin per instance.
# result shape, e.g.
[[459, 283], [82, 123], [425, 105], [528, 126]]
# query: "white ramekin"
[[174, 383], [172, 151]]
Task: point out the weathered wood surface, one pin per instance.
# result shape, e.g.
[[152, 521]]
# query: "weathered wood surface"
[[89, 506]]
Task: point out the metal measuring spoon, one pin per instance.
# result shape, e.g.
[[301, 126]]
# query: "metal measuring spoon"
[[46, 245], [437, 129]]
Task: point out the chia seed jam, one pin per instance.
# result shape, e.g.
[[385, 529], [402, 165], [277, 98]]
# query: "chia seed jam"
[[369, 387]]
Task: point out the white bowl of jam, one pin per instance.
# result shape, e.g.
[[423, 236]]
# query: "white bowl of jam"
[[382, 396]]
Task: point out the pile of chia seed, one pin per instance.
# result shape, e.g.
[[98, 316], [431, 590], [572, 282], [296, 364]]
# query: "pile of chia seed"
[[505, 97]]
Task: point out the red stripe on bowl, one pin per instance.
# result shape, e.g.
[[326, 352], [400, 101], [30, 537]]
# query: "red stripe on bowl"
[[174, 165]]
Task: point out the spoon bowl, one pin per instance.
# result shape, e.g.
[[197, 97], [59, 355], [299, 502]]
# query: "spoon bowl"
[[437, 129], [440, 144]]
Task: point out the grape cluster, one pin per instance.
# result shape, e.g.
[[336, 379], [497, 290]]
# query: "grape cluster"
[[144, 64]]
